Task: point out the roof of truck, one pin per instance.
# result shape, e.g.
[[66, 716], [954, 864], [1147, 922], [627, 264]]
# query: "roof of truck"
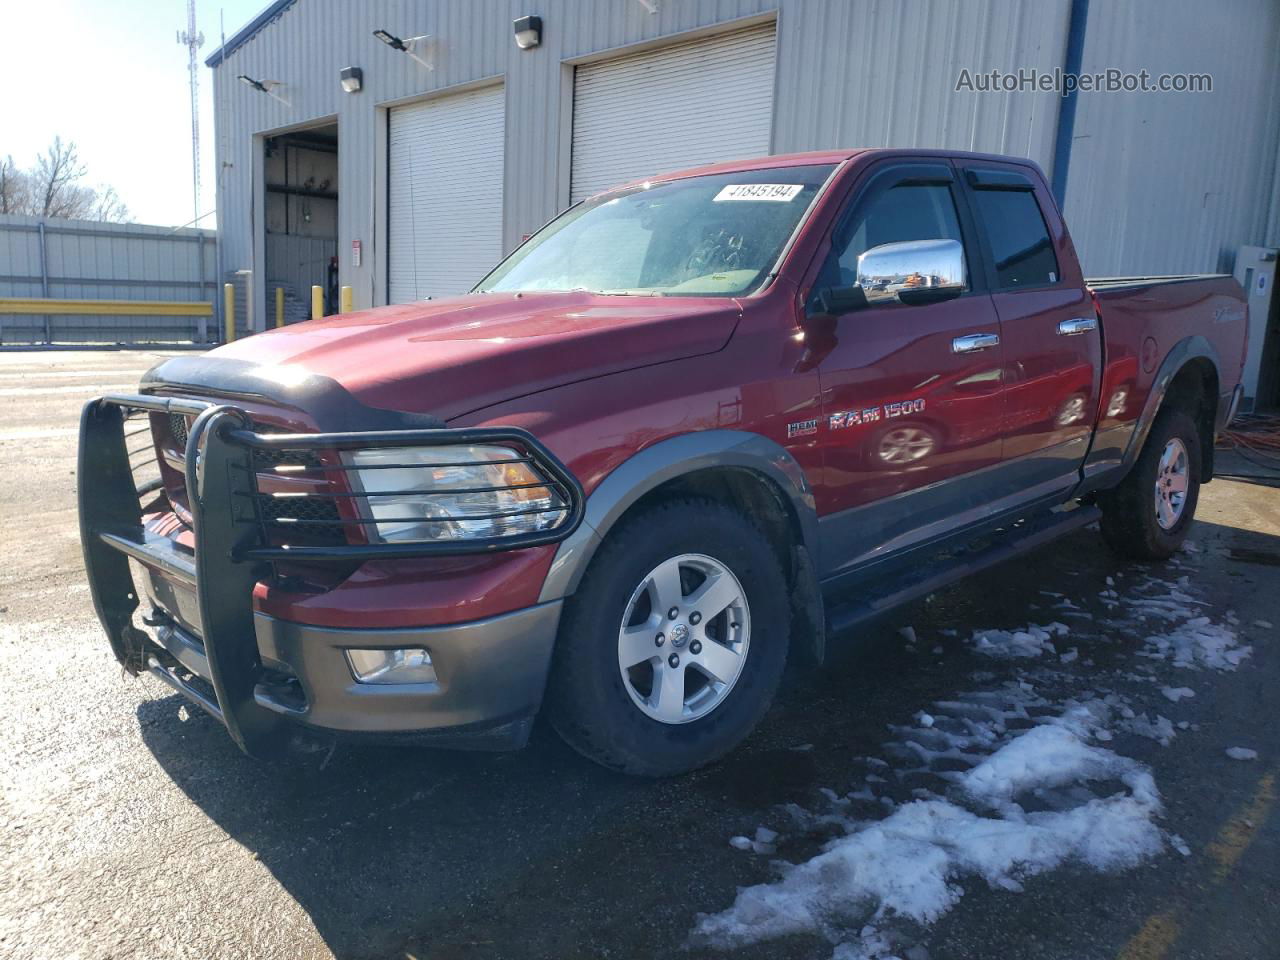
[[817, 157]]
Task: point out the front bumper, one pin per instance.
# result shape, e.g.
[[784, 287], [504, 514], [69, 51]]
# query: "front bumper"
[[260, 675], [490, 675]]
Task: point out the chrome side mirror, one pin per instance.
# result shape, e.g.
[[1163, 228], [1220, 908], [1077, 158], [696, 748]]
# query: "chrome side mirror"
[[913, 272]]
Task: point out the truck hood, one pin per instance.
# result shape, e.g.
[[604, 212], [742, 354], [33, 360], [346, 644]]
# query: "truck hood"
[[449, 357]]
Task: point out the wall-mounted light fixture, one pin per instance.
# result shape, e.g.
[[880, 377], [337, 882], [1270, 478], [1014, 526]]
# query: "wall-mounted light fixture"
[[528, 32], [265, 86], [415, 47], [352, 79]]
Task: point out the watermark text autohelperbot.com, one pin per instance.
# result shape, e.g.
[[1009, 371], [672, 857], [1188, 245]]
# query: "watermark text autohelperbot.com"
[[1064, 83]]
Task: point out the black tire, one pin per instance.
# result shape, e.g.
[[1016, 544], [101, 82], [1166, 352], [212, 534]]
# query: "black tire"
[[1129, 512], [587, 701]]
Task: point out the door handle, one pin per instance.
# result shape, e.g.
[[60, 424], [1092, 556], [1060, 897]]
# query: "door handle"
[[1072, 328], [974, 342]]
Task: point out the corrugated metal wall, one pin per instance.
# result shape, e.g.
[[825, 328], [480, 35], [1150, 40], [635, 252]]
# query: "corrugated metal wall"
[[849, 73], [882, 73], [1174, 182], [86, 260]]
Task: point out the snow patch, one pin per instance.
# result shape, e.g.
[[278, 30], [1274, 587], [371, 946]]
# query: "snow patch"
[[1032, 641], [1196, 644], [1242, 753], [1177, 693], [909, 865]]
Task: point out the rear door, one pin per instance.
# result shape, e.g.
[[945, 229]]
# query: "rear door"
[[1052, 344], [912, 412]]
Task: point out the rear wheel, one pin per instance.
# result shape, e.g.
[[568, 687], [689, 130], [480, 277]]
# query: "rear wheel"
[[1147, 516], [672, 647]]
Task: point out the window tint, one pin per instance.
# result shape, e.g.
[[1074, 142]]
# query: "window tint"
[[908, 212], [1020, 243]]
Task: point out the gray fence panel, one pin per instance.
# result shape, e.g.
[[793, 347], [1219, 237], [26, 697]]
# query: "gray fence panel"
[[86, 260]]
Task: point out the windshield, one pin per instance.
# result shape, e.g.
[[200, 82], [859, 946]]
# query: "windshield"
[[713, 236]]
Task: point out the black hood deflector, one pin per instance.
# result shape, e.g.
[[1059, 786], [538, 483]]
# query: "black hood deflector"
[[325, 401]]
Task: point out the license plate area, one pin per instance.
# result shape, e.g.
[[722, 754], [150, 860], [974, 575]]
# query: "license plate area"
[[176, 600]]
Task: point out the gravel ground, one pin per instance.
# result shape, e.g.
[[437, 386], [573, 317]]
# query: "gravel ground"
[[131, 827]]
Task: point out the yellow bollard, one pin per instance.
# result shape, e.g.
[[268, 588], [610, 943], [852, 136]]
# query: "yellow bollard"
[[317, 302], [344, 300], [279, 306], [229, 310]]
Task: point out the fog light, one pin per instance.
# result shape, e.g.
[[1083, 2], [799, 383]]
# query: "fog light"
[[411, 665]]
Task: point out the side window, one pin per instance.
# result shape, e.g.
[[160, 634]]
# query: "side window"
[[1020, 244], [907, 212]]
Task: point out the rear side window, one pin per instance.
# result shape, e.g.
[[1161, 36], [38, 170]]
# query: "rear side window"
[[1020, 243], [906, 212]]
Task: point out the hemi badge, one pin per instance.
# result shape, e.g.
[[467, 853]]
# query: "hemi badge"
[[804, 428]]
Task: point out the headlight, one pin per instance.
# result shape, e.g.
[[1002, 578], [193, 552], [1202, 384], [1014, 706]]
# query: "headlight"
[[454, 493]]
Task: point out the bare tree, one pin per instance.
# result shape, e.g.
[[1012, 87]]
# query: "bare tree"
[[107, 205], [54, 187], [13, 187], [57, 173]]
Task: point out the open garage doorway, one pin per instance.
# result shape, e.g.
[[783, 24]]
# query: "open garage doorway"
[[301, 201]]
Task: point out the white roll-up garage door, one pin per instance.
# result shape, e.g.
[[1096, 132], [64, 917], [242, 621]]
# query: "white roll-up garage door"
[[444, 194], [693, 103]]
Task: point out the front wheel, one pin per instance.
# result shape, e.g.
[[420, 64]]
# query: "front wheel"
[[1147, 516], [673, 645]]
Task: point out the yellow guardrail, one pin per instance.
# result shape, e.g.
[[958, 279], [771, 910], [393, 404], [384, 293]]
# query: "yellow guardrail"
[[113, 308]]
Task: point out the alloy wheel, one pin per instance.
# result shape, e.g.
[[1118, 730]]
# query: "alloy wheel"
[[683, 639]]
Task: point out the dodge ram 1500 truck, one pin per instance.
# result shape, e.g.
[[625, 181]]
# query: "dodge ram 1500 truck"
[[687, 430]]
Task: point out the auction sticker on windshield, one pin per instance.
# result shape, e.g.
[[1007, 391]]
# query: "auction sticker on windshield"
[[776, 192]]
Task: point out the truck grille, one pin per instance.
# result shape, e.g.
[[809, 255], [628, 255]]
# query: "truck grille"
[[178, 430], [309, 521]]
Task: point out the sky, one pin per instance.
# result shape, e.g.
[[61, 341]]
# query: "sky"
[[113, 78]]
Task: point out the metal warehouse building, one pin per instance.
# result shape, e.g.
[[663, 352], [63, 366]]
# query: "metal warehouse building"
[[456, 146]]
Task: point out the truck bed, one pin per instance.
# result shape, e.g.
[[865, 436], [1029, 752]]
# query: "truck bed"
[[1149, 320]]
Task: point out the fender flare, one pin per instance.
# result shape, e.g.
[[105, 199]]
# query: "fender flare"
[[664, 461], [1195, 347]]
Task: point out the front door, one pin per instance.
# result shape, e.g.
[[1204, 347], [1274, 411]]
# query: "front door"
[[911, 399], [1052, 344]]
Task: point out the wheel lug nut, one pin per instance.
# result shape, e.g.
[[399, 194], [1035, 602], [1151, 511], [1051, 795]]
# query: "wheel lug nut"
[[659, 640], [673, 613], [674, 660], [695, 618], [695, 648]]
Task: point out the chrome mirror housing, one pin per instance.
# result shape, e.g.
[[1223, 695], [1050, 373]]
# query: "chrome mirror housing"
[[913, 271]]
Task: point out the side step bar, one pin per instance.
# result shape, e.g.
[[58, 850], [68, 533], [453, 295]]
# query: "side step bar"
[[1030, 536]]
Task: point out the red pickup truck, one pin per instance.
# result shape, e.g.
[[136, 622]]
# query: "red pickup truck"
[[688, 429]]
